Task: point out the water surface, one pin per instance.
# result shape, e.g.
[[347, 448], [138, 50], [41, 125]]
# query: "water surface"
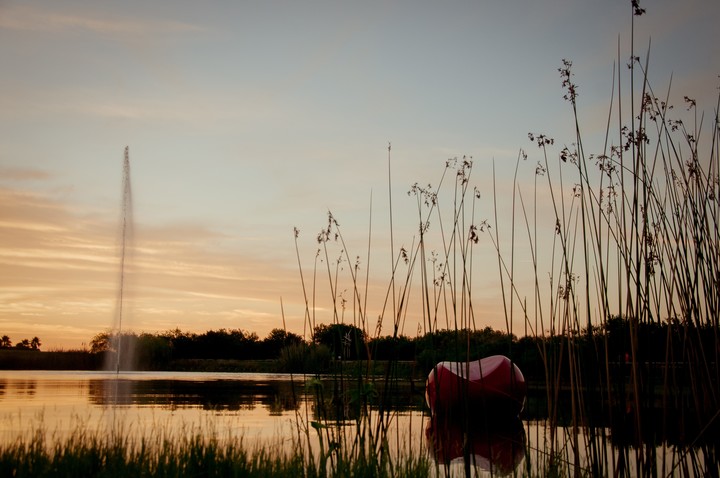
[[260, 408]]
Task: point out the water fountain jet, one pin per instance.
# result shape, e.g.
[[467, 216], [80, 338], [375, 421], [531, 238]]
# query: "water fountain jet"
[[123, 356]]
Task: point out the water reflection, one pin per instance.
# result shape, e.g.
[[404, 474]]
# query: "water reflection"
[[210, 395], [22, 387], [498, 448], [662, 422]]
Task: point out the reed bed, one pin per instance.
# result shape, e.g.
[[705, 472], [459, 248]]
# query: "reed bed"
[[626, 327], [634, 255]]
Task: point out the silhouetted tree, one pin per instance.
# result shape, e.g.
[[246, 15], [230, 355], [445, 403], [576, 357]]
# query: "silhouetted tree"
[[183, 344], [216, 344], [100, 343], [276, 340], [392, 348], [462, 345], [152, 352], [344, 341], [24, 344], [35, 343]]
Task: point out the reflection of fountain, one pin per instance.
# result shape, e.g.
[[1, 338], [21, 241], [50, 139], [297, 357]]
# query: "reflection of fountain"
[[114, 392], [123, 346], [498, 448]]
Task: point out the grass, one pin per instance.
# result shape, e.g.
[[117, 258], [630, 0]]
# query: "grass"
[[195, 453], [113, 450]]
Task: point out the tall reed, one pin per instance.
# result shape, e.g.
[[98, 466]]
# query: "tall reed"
[[627, 326], [633, 238]]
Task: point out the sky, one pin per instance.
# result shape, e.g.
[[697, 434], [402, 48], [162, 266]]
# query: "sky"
[[245, 120]]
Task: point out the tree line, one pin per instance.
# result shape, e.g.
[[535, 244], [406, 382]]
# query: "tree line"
[[609, 343], [24, 344]]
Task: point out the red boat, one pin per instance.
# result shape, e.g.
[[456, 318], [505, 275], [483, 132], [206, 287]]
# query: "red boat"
[[493, 386]]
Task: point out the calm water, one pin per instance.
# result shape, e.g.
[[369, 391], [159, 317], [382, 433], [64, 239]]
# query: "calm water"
[[254, 407], [251, 405], [268, 408]]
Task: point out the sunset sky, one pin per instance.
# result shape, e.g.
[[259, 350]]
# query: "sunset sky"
[[246, 119]]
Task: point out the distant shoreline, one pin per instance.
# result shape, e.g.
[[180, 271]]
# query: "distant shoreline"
[[88, 361]]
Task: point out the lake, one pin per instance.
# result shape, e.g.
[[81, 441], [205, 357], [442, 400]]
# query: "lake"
[[239, 404], [259, 408]]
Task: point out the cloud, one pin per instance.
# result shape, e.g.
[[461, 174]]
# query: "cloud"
[[197, 111], [61, 268], [10, 173], [61, 277], [33, 19]]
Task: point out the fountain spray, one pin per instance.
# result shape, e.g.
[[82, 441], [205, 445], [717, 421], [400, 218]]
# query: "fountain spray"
[[126, 231]]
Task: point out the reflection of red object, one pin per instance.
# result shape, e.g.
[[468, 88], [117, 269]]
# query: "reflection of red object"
[[493, 385], [499, 449]]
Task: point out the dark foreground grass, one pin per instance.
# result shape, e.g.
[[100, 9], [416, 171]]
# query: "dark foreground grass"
[[94, 454]]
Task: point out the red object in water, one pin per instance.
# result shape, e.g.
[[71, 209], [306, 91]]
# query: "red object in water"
[[496, 449], [493, 386]]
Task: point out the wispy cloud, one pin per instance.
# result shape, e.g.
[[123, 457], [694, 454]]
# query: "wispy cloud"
[[61, 268], [34, 19], [9, 173], [201, 111]]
